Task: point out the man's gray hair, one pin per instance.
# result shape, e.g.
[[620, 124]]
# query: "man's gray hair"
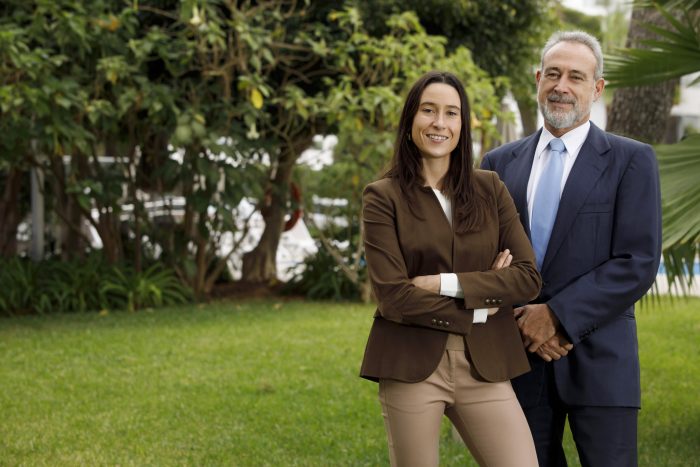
[[582, 38]]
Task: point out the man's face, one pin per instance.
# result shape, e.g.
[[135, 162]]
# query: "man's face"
[[566, 88]]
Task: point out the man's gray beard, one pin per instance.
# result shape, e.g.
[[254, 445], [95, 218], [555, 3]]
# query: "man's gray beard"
[[560, 119]]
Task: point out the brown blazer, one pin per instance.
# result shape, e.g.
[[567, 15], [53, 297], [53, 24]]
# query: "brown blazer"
[[411, 325]]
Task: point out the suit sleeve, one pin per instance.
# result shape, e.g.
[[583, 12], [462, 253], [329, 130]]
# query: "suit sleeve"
[[486, 162], [605, 292], [398, 299], [518, 283]]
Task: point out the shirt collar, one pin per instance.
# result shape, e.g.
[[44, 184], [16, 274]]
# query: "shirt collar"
[[573, 140]]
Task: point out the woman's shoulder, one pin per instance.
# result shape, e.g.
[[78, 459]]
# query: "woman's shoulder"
[[383, 185], [486, 179]]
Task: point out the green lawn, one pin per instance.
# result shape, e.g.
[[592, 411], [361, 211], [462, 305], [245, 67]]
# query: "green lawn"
[[260, 383]]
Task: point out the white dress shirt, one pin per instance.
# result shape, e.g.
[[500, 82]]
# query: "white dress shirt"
[[449, 284], [573, 140]]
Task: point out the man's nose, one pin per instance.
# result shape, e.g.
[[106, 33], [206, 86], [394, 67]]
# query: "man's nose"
[[563, 86]]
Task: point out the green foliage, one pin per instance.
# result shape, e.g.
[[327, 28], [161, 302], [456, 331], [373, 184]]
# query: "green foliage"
[[503, 35], [53, 286], [128, 289], [322, 278], [675, 54], [213, 384]]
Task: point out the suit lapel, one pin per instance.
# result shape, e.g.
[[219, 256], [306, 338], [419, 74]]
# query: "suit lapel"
[[517, 175], [590, 164]]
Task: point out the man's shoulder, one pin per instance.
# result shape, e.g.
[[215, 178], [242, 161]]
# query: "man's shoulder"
[[512, 146], [618, 141]]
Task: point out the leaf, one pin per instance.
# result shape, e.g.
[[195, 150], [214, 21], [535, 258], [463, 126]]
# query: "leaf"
[[256, 98]]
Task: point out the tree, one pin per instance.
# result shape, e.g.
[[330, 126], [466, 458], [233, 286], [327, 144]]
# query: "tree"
[[505, 37], [678, 50]]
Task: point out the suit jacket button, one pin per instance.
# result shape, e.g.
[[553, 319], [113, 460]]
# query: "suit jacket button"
[[440, 322], [499, 301], [433, 321], [447, 323], [487, 301]]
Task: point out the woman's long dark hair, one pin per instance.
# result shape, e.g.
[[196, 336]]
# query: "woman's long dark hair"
[[406, 165]]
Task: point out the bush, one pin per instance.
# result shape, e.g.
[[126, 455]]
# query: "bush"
[[322, 279], [78, 286], [153, 287]]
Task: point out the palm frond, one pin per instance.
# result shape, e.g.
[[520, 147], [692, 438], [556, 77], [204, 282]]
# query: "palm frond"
[[676, 53], [679, 165]]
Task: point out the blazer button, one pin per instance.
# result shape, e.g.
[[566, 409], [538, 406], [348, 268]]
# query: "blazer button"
[[499, 301], [440, 322], [433, 321], [447, 323], [487, 301]]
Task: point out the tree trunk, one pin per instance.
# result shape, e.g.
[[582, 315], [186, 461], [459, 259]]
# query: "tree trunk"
[[71, 241], [642, 112], [10, 215], [528, 112], [260, 264]]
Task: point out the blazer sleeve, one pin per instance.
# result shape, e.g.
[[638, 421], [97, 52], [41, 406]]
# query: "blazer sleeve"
[[608, 290], [516, 284], [398, 299]]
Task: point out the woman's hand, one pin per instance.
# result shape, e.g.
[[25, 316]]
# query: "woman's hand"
[[503, 260]]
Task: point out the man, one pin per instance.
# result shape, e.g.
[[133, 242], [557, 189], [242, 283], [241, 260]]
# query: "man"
[[590, 203]]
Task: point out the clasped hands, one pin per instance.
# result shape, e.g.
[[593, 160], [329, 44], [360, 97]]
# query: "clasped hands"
[[538, 324], [539, 330]]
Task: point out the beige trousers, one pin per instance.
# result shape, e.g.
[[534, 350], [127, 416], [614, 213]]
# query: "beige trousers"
[[486, 415]]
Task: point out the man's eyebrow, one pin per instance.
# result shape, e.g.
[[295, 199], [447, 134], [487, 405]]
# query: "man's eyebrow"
[[558, 70]]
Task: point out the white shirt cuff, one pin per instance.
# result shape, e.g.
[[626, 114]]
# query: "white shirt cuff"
[[480, 315], [449, 286]]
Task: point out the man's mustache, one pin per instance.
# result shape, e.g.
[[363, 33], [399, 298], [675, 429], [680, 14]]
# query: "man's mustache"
[[556, 97]]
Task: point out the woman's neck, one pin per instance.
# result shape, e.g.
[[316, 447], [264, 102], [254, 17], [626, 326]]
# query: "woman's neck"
[[434, 171]]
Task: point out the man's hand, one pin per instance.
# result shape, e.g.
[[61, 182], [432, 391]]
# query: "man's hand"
[[555, 348], [430, 283], [537, 324]]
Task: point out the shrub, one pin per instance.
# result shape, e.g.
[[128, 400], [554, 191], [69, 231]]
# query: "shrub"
[[322, 278], [78, 286]]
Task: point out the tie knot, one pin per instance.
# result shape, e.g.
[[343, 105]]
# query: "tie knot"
[[557, 145]]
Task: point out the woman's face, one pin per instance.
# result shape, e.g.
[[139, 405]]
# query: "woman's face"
[[438, 121]]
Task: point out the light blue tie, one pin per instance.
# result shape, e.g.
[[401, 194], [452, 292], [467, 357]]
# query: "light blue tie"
[[546, 203]]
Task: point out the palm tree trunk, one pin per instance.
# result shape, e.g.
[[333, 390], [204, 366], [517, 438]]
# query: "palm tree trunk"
[[642, 112]]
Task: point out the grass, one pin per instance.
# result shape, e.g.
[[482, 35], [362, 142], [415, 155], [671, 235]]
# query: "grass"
[[259, 383]]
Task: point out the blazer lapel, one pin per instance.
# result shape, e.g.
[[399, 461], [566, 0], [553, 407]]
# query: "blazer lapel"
[[517, 175], [590, 164]]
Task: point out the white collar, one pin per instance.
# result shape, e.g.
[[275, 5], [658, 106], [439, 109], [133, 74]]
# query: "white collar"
[[573, 139]]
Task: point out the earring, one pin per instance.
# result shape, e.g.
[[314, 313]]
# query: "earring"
[[409, 137]]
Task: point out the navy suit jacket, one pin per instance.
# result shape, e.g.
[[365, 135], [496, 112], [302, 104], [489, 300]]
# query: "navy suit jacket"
[[603, 255]]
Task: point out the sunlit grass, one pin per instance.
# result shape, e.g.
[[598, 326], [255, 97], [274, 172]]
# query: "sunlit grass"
[[260, 383]]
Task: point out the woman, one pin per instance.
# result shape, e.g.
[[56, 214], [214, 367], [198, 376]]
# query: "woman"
[[447, 259]]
